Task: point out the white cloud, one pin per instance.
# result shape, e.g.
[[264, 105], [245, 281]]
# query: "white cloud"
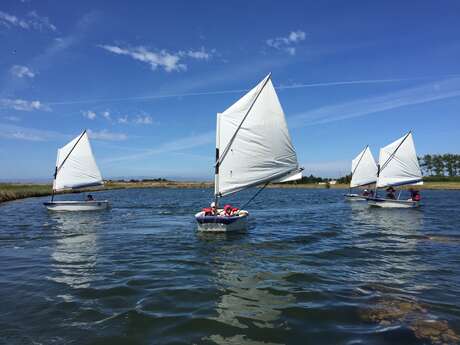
[[89, 114], [106, 115], [22, 71], [163, 59], [22, 105], [143, 120], [286, 43], [168, 61], [123, 119], [105, 135], [32, 21]]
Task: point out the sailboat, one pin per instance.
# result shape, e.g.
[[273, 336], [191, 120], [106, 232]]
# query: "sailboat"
[[76, 168], [253, 148], [363, 173], [398, 166]]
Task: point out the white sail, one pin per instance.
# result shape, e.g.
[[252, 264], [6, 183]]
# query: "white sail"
[[253, 142], [363, 169], [76, 166], [399, 164]]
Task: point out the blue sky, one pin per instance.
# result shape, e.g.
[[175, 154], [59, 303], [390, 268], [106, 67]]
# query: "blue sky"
[[147, 79]]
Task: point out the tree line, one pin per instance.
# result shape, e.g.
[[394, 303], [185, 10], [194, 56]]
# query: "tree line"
[[447, 164]]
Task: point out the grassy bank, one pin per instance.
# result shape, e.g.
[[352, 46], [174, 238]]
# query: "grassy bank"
[[14, 191]]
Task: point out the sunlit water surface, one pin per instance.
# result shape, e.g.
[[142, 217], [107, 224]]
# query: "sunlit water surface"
[[312, 269]]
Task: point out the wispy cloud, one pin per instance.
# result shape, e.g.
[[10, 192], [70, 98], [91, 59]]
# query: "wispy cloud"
[[22, 105], [89, 114], [12, 118], [32, 21], [429, 92], [168, 61], [105, 135], [201, 54], [8, 131], [170, 146], [22, 71], [287, 43]]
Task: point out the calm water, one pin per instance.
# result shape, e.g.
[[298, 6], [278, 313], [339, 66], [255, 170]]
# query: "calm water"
[[312, 269]]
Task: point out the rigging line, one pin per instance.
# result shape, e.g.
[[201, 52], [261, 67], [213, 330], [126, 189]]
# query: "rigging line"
[[356, 167], [254, 196], [62, 164], [394, 153], [230, 142]]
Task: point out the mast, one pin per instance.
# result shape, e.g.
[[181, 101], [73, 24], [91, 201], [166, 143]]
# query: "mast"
[[216, 173]]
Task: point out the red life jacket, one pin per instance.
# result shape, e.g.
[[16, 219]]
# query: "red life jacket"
[[417, 197], [207, 211]]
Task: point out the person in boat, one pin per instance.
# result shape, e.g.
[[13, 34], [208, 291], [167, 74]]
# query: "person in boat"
[[211, 210], [230, 211], [365, 192], [415, 195], [89, 197], [391, 193]]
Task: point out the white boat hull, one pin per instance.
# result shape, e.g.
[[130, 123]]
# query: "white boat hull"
[[392, 203], [95, 205], [222, 223], [354, 197]]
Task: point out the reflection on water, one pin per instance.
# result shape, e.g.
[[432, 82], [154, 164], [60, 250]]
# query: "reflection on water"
[[75, 252], [250, 297]]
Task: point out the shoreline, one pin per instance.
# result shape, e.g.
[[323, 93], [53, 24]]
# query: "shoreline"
[[16, 191]]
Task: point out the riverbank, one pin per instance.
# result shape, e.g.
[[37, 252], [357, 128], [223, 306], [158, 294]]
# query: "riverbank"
[[14, 191]]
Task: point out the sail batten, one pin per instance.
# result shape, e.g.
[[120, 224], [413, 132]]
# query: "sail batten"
[[364, 169], [76, 166], [256, 141], [399, 163]]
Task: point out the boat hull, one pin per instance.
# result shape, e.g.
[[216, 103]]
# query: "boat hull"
[[95, 205], [391, 203], [354, 197], [222, 223]]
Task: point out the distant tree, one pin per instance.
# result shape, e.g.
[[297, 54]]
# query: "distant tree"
[[438, 165]]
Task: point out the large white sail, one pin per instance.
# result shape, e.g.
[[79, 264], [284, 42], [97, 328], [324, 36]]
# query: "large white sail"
[[253, 142], [398, 163], [76, 166], [363, 169]]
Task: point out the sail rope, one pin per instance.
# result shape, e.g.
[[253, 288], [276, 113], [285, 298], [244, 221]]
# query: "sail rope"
[[255, 195]]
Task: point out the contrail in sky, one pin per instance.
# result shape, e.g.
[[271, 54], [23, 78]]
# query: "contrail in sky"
[[221, 92]]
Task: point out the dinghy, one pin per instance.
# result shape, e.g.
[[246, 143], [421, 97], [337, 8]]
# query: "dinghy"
[[253, 148], [363, 173], [76, 168], [398, 166]]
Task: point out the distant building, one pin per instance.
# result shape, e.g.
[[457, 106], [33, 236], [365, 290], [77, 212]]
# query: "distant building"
[[332, 181]]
